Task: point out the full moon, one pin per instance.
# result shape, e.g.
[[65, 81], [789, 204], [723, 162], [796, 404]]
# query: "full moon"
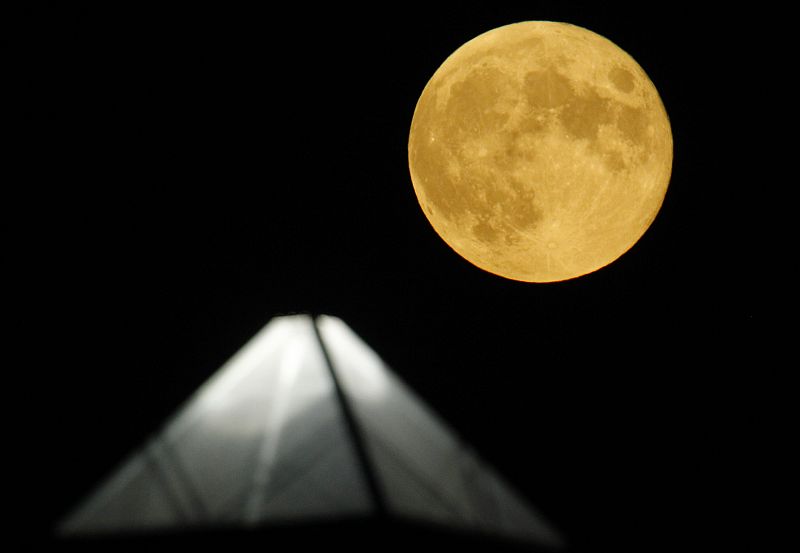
[[540, 151]]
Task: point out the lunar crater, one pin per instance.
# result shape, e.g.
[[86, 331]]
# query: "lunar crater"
[[622, 79]]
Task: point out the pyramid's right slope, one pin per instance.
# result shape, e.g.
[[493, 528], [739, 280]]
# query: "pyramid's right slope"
[[424, 470]]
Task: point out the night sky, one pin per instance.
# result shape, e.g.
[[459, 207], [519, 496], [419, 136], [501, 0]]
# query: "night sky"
[[181, 177]]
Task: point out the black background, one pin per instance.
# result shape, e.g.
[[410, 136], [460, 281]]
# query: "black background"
[[181, 176]]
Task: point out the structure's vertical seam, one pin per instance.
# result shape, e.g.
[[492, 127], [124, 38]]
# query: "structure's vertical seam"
[[359, 445]]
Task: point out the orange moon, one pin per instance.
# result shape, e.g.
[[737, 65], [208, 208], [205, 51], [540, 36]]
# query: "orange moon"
[[540, 151]]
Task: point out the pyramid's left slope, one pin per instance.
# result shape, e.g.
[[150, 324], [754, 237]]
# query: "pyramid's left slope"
[[257, 442]]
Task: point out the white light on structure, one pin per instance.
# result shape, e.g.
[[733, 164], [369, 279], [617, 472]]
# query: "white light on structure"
[[305, 422]]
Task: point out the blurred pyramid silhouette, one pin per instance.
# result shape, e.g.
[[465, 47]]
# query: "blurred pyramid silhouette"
[[304, 422]]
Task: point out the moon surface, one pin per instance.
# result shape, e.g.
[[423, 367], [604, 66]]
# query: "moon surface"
[[540, 151]]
